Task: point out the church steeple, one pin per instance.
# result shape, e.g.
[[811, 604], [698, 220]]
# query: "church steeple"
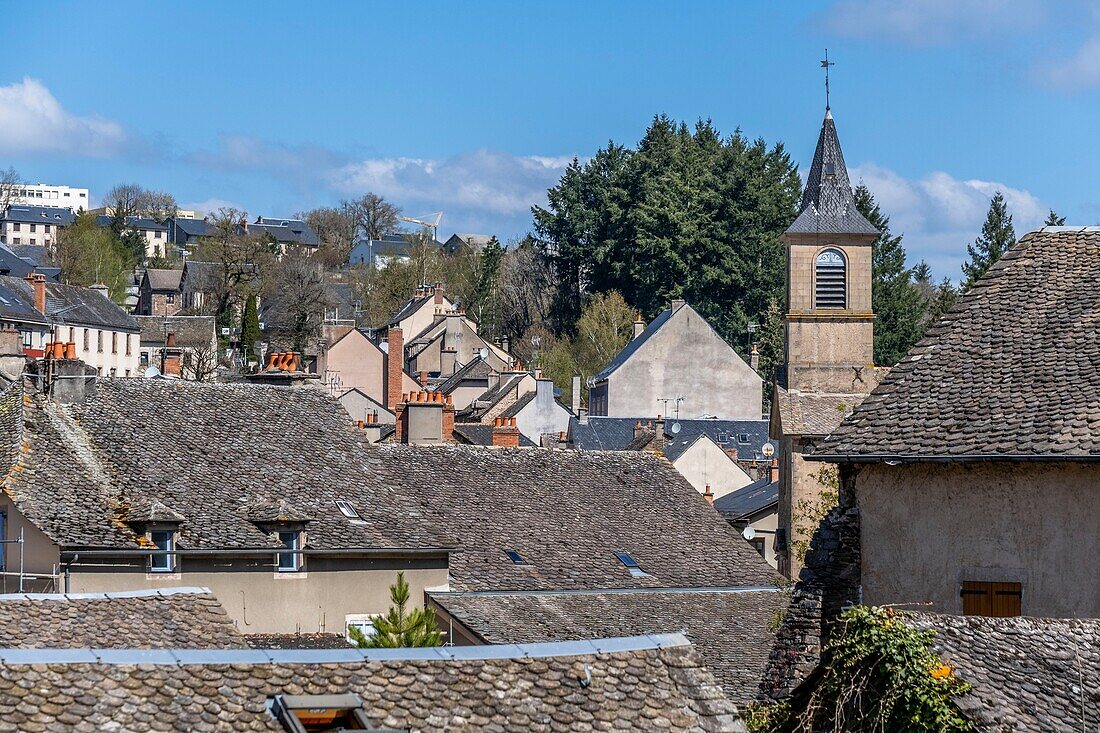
[[827, 202]]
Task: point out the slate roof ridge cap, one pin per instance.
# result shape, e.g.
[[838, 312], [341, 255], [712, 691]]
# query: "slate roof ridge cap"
[[190, 656], [543, 592], [141, 593]]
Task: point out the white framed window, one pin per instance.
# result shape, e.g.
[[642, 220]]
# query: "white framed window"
[[164, 559], [290, 560], [361, 622]]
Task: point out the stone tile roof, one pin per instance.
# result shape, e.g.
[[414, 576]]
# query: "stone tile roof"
[[297, 641], [476, 433], [1009, 371], [567, 513], [749, 499], [200, 276], [647, 683], [191, 331], [814, 413], [730, 629], [164, 279], [827, 201], [476, 369], [207, 452], [516, 407], [492, 397], [1034, 674], [150, 619]]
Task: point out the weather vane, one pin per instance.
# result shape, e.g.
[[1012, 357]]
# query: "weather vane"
[[825, 64]]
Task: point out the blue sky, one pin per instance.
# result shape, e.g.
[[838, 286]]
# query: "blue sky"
[[475, 107]]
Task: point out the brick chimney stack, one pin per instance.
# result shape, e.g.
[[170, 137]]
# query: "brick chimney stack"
[[438, 291], [448, 420], [38, 282], [754, 359], [773, 472], [395, 356], [639, 325], [505, 432], [709, 495]]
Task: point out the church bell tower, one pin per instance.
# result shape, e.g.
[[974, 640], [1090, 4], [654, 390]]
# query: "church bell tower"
[[829, 318]]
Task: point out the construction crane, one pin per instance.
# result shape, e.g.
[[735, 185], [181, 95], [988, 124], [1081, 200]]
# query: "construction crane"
[[431, 221]]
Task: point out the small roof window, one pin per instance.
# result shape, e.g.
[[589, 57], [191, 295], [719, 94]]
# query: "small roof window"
[[308, 713], [347, 509], [631, 564], [516, 558]]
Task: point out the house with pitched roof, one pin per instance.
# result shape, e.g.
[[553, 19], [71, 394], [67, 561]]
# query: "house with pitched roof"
[[680, 361], [159, 293], [33, 225], [154, 233], [753, 510], [266, 495], [285, 232], [185, 232], [179, 346], [972, 465], [829, 365]]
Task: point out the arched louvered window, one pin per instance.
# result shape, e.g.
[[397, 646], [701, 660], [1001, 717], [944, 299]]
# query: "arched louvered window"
[[830, 283]]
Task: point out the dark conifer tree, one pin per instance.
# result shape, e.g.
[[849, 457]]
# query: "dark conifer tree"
[[996, 237]]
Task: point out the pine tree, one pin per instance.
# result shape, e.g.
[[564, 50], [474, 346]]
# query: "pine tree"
[[1053, 220], [771, 346], [485, 302], [250, 328], [946, 295], [895, 299], [996, 237], [400, 628]]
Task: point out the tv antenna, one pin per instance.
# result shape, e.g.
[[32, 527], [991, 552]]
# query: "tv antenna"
[[677, 401], [825, 64]]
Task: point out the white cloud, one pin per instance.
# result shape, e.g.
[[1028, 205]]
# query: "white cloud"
[[928, 22], [33, 121], [1079, 71], [940, 214], [485, 181], [245, 152], [209, 206]]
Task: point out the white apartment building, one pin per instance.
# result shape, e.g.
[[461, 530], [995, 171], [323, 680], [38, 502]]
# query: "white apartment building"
[[34, 225], [43, 194]]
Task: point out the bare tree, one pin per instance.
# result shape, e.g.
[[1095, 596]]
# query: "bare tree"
[[374, 216], [10, 185], [244, 260], [298, 303], [157, 205], [130, 199], [201, 362], [335, 229], [526, 289]]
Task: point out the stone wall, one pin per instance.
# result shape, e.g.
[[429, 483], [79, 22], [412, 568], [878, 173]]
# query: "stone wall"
[[828, 583]]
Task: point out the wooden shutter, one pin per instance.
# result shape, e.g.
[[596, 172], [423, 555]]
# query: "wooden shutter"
[[991, 599]]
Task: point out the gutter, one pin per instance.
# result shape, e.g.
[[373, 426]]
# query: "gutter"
[[895, 459], [249, 551]]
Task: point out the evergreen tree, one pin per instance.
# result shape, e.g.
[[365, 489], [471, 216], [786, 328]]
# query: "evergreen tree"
[[485, 303], [895, 298], [946, 295], [1053, 220], [996, 237], [250, 328], [771, 343], [400, 627]]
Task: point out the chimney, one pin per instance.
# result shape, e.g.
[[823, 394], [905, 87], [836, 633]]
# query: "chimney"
[[448, 420], [709, 495], [423, 378], [171, 342], [544, 392], [638, 429], [505, 345], [676, 304], [452, 336], [659, 424], [493, 380], [395, 356], [244, 224], [505, 432], [421, 418], [773, 472], [38, 282], [577, 395], [754, 359], [639, 325], [447, 358], [11, 343], [438, 292], [101, 289]]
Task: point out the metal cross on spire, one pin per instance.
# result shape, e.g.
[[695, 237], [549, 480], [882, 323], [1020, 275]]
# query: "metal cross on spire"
[[825, 64]]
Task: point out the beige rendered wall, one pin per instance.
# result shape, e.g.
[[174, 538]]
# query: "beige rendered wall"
[[40, 555], [765, 526], [926, 528], [416, 322], [359, 364], [705, 463], [685, 358], [261, 601], [802, 485]]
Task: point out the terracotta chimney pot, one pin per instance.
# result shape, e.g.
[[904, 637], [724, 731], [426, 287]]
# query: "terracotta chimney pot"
[[70, 350]]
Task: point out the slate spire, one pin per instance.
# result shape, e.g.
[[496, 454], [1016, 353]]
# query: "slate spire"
[[827, 201]]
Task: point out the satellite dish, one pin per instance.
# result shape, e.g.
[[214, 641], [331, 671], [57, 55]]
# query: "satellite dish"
[[676, 428], [152, 372], [483, 352], [768, 450], [748, 533]]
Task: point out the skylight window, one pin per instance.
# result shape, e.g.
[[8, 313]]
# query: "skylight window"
[[347, 509], [307, 713], [631, 564], [516, 558]]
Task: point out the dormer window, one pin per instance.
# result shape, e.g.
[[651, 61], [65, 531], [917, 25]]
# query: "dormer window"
[[308, 713], [830, 281], [163, 559], [290, 558]]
